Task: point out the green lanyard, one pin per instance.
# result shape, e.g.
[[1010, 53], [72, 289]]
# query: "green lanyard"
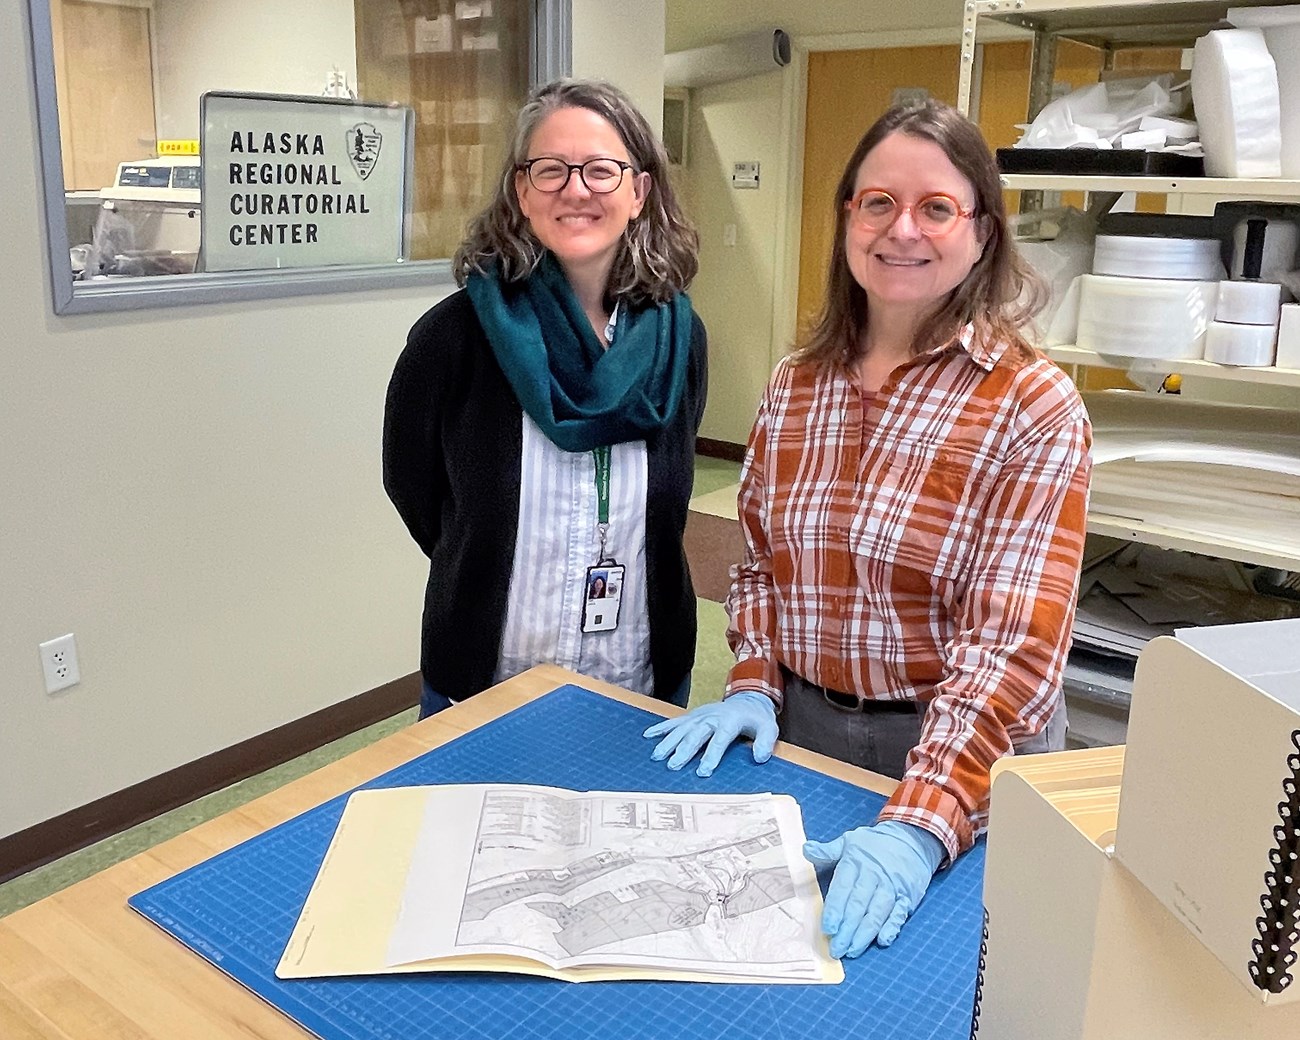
[[603, 459]]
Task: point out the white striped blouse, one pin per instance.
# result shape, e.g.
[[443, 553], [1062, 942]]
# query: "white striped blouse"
[[556, 542]]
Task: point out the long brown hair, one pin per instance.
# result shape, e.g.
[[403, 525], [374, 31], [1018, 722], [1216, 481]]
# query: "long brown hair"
[[659, 255], [999, 296]]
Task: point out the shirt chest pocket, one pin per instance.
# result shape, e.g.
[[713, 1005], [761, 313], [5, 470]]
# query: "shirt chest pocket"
[[921, 513]]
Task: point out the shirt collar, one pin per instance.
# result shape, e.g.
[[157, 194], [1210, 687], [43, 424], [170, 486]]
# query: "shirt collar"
[[611, 326], [975, 347]]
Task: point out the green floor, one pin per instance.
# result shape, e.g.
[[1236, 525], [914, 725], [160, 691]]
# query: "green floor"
[[711, 662], [714, 474]]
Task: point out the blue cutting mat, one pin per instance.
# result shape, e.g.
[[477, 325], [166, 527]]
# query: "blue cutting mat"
[[238, 909]]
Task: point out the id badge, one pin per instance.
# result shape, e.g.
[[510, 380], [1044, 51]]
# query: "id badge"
[[604, 594]]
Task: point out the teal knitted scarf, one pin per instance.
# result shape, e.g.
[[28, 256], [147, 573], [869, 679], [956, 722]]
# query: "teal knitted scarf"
[[582, 395]]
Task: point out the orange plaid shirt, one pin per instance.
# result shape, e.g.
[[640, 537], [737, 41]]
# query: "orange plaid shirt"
[[927, 550]]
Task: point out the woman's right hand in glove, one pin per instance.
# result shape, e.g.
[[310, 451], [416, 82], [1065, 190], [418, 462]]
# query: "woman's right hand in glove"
[[715, 727]]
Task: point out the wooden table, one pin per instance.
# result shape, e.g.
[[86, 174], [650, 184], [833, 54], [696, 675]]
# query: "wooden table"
[[81, 965]]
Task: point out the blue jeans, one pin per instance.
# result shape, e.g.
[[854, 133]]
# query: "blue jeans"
[[432, 702]]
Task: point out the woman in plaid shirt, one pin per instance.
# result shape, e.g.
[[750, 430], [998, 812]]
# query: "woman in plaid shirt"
[[913, 503]]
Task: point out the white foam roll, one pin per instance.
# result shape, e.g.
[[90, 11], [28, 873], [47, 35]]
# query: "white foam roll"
[[1137, 256], [1248, 303], [1235, 94], [1144, 317], [1288, 337], [1249, 346], [1281, 28]]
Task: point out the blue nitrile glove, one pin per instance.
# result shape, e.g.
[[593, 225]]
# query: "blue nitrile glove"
[[881, 874], [746, 714]]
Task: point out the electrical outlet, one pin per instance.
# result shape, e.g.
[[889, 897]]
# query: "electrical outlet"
[[59, 660]]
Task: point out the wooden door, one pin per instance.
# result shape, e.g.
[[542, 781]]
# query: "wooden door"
[[104, 79]]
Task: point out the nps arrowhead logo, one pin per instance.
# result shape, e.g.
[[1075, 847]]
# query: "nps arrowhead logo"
[[363, 141]]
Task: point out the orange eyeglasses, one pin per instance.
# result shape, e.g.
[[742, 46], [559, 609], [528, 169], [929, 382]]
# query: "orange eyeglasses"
[[934, 215]]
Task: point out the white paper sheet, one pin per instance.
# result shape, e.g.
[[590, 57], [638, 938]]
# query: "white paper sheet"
[[573, 879]]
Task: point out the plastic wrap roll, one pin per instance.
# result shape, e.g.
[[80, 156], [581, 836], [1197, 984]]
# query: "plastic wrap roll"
[[1234, 91], [1144, 317], [1281, 28], [1139, 256], [1288, 337], [1248, 303], [1250, 346]]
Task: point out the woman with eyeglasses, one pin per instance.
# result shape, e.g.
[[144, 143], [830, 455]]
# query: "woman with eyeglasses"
[[913, 505], [540, 424]]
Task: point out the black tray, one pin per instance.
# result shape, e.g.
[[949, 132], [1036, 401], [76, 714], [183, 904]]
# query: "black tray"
[[1158, 225], [1117, 162]]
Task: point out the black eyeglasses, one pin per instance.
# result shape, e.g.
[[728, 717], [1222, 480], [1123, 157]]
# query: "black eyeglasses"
[[600, 176]]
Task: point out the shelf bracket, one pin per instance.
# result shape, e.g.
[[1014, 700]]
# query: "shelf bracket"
[[966, 69], [1042, 72]]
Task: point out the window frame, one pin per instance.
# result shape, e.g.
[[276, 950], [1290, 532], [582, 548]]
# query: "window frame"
[[550, 54]]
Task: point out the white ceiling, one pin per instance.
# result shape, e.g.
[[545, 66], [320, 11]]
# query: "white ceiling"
[[695, 23]]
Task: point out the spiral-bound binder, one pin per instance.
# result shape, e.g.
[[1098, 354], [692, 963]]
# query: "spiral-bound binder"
[[979, 979], [1275, 950]]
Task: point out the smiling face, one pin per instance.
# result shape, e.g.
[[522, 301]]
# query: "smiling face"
[[581, 228], [904, 273]]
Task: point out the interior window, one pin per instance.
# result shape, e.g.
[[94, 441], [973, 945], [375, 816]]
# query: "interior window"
[[130, 76]]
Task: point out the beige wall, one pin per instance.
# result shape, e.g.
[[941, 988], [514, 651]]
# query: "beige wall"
[[623, 41], [729, 123], [747, 293], [195, 492]]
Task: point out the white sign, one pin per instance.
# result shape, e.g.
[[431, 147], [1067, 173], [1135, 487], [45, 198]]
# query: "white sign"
[[744, 175], [303, 182]]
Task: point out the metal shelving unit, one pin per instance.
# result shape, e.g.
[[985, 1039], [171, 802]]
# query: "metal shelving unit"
[[1220, 187], [1240, 550], [1104, 24], [1271, 376], [1099, 701]]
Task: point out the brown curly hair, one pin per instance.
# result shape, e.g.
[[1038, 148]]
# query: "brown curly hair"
[[659, 255]]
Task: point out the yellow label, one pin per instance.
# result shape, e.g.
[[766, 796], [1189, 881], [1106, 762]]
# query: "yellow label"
[[178, 147]]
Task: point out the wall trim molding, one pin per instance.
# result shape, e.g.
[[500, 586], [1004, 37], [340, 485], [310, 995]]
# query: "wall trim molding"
[[713, 449], [45, 842]]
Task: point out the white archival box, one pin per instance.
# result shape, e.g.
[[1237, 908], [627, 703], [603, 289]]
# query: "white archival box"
[[1091, 853], [1209, 810]]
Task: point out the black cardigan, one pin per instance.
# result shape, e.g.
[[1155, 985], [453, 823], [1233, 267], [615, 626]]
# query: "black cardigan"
[[453, 442]]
